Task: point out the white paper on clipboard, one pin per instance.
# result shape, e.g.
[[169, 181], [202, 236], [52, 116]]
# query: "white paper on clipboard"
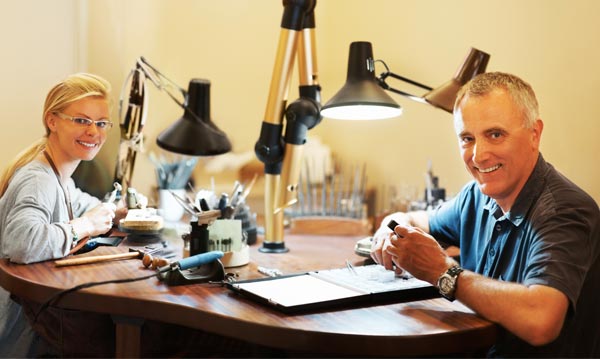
[[297, 290]]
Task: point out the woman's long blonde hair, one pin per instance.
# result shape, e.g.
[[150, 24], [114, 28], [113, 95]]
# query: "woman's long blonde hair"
[[71, 89]]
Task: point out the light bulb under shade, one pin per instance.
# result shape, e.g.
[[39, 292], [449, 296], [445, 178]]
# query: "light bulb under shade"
[[361, 97], [194, 134], [361, 112]]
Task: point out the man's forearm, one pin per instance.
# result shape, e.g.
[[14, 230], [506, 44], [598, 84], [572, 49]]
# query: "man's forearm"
[[534, 314], [419, 219]]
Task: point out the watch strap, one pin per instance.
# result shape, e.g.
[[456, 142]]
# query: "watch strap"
[[454, 270]]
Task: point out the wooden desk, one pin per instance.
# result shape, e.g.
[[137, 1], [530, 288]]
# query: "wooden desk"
[[428, 327]]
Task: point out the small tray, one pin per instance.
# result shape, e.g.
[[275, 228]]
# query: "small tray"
[[141, 232], [142, 236]]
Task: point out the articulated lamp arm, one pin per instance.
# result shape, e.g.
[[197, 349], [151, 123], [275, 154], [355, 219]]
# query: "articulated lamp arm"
[[194, 134], [282, 155], [132, 117], [384, 75], [444, 95], [133, 114]]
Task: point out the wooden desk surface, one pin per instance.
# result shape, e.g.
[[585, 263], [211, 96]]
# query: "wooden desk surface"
[[426, 327]]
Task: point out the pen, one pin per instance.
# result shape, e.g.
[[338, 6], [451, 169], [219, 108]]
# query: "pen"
[[350, 267]]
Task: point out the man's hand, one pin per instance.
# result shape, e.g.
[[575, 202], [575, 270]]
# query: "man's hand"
[[418, 252], [381, 240]]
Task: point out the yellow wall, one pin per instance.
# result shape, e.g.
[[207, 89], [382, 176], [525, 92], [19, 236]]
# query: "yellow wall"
[[550, 43], [39, 42]]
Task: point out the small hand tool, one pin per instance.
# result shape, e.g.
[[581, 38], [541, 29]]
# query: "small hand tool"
[[96, 259], [132, 254]]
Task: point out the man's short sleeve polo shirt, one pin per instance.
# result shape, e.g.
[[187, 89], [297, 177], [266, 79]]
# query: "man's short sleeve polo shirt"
[[550, 237]]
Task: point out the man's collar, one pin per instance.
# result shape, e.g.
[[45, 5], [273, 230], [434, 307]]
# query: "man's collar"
[[528, 195]]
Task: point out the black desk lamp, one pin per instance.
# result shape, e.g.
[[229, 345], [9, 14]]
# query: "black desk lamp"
[[193, 134], [362, 97]]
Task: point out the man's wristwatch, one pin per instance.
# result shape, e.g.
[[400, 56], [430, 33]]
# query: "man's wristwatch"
[[447, 282]]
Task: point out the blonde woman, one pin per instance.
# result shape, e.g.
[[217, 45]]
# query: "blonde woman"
[[43, 215]]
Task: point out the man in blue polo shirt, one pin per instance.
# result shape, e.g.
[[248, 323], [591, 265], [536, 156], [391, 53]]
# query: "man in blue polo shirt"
[[529, 238]]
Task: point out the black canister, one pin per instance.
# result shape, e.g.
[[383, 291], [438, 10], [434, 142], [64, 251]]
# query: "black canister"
[[198, 238]]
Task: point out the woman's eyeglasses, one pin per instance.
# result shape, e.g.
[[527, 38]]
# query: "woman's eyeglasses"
[[103, 125]]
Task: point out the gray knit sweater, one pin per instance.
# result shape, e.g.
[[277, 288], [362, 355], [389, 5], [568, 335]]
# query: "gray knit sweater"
[[34, 216], [33, 228]]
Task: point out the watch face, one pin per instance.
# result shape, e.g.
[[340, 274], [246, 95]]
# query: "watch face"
[[445, 285]]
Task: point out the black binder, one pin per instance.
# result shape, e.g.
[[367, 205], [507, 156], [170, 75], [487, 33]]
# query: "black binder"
[[311, 291]]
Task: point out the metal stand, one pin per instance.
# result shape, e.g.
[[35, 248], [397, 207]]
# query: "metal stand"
[[282, 155]]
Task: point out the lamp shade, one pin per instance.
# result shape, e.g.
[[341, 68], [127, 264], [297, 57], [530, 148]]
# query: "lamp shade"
[[194, 134], [444, 96], [361, 98]]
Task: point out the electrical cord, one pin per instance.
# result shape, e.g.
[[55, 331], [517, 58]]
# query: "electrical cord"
[[57, 296], [186, 263]]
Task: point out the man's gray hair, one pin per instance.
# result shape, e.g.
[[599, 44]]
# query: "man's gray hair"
[[520, 91]]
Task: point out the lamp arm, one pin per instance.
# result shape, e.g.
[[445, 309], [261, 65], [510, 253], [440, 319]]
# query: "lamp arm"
[[129, 114], [312, 93], [281, 158], [381, 80], [162, 82], [133, 117], [301, 116], [269, 147]]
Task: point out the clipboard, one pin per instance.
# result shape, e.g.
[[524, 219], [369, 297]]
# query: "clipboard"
[[316, 290]]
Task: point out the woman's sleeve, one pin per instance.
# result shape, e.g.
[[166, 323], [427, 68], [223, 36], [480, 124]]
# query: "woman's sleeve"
[[81, 201], [36, 225]]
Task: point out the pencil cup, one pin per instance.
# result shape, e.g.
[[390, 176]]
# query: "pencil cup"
[[168, 207]]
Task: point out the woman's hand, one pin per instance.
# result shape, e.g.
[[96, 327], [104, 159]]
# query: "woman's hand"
[[120, 212], [96, 221]]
